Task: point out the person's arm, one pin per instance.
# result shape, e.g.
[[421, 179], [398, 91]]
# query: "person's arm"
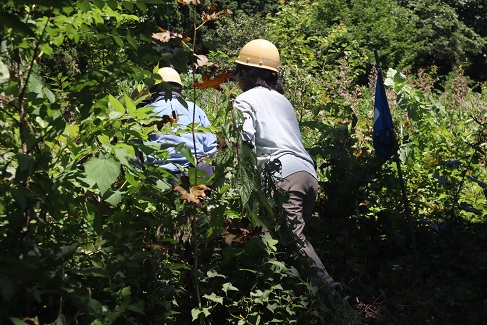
[[247, 123], [209, 140]]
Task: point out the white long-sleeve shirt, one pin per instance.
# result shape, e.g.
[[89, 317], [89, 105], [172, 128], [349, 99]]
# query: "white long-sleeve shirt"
[[271, 126]]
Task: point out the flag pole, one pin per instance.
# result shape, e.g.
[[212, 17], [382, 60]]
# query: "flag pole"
[[399, 172]]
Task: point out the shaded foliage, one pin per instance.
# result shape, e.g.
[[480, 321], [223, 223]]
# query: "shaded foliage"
[[89, 236]]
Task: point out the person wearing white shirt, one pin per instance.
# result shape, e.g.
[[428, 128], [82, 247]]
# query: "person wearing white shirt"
[[270, 128]]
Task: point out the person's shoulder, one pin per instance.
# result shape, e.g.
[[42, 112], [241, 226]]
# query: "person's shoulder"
[[248, 94], [191, 104]]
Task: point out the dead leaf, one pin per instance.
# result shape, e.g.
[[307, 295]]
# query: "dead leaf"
[[215, 82], [155, 247], [202, 60], [192, 194], [189, 2], [211, 14], [235, 231], [165, 35], [365, 203]]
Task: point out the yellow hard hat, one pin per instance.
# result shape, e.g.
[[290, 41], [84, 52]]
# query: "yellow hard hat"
[[260, 53], [170, 75]]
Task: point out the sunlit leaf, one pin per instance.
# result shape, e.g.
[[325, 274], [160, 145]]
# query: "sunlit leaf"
[[103, 171], [212, 14], [228, 286], [202, 61], [116, 104], [49, 94], [189, 2], [4, 73], [165, 35], [213, 297], [192, 194], [162, 36]]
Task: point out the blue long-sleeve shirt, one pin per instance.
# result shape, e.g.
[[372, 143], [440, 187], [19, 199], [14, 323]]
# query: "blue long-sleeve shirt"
[[206, 142]]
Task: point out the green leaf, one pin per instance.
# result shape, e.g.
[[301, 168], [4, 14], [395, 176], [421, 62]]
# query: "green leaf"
[[228, 286], [115, 103], [131, 108], [272, 307], [163, 185], [114, 115], [49, 94], [131, 40], [213, 297], [47, 49], [4, 73], [84, 6], [103, 138], [126, 291], [7, 288], [12, 21], [214, 274], [186, 152], [17, 321], [103, 172], [195, 312], [115, 198], [124, 153], [128, 5], [138, 307]]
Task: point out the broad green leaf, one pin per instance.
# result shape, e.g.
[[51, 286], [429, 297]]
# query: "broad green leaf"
[[72, 130], [138, 307], [118, 40], [61, 320], [35, 85], [115, 198], [95, 306], [163, 185], [49, 94], [4, 73], [186, 152], [213, 274], [141, 112], [127, 291], [84, 5], [128, 5], [104, 139], [17, 321], [115, 103], [7, 289], [124, 153], [213, 297], [131, 108], [42, 123], [58, 40], [12, 21], [228, 286], [114, 115], [195, 312], [272, 307], [131, 40], [103, 171], [47, 49]]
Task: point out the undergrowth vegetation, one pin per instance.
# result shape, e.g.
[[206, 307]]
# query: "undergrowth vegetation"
[[90, 237]]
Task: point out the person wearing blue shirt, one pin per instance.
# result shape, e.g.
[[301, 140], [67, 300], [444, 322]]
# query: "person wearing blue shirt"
[[173, 111]]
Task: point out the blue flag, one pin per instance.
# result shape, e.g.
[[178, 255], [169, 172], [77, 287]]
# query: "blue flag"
[[384, 136]]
